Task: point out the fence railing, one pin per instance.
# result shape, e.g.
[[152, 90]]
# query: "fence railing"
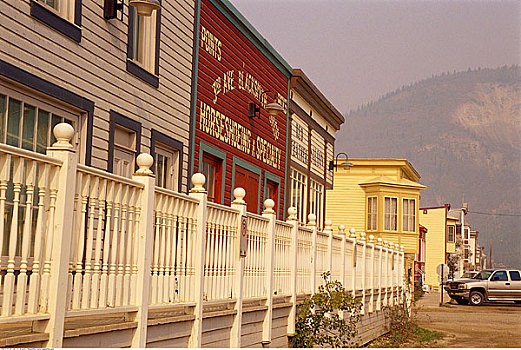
[[78, 241]]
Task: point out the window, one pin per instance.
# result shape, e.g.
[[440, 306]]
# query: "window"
[[168, 159], [29, 125], [316, 194], [299, 194], [451, 234], [390, 213], [212, 170], [372, 209], [124, 151], [514, 275], [124, 144], [409, 215], [62, 15], [467, 231], [143, 46], [500, 276]]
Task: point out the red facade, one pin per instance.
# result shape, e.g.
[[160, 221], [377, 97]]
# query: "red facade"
[[231, 149]]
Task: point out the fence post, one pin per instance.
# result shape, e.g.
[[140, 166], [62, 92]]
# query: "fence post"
[[269, 213], [61, 235], [352, 239], [145, 243], [198, 192], [371, 281], [235, 337], [402, 267], [341, 232], [380, 256], [292, 317], [364, 269], [328, 229], [385, 300], [312, 224], [391, 274]]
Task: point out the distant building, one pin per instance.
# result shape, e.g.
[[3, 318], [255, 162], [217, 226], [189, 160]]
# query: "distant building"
[[441, 240], [378, 196], [313, 123]]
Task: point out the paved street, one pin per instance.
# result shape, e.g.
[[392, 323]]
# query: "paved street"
[[491, 325]]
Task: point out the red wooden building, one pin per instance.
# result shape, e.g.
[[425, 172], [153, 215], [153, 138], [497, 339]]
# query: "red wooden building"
[[235, 66]]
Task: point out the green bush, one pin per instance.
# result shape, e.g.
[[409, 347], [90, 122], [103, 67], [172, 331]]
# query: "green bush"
[[328, 318]]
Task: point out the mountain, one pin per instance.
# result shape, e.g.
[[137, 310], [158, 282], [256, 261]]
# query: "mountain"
[[462, 132]]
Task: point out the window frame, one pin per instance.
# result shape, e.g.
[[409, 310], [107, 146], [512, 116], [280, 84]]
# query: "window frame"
[[453, 234], [158, 137], [392, 214], [518, 275], [371, 214], [134, 67], [302, 185], [126, 123], [53, 109], [409, 200], [318, 196], [219, 154], [57, 20], [275, 179]]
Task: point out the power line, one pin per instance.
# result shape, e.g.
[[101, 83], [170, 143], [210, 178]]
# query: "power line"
[[493, 214]]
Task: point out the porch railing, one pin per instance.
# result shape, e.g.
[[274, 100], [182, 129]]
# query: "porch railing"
[[78, 241]]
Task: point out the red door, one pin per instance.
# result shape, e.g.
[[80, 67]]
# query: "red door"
[[250, 182], [272, 191]]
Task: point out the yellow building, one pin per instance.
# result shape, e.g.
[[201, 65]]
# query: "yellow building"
[[440, 241], [378, 196]]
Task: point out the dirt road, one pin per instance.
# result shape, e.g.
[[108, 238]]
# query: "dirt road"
[[495, 325]]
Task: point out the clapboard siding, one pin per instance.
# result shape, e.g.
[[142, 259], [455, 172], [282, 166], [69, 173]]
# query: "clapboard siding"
[[95, 68]]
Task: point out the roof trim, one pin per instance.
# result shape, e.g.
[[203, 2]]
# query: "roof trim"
[[301, 83], [383, 180]]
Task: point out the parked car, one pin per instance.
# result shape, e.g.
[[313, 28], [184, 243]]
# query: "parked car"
[[487, 285], [469, 274]]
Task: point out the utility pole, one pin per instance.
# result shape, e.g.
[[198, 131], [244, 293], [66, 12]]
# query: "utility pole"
[[490, 254]]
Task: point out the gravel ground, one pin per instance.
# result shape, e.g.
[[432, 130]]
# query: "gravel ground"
[[492, 325]]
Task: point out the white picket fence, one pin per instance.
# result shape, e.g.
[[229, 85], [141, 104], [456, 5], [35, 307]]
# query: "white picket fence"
[[78, 241]]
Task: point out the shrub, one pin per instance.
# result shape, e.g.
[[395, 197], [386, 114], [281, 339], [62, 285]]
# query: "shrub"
[[328, 318]]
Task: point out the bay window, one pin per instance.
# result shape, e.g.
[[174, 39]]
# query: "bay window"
[[409, 215], [372, 209], [390, 213]]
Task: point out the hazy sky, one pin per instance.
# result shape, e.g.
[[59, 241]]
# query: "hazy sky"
[[355, 51]]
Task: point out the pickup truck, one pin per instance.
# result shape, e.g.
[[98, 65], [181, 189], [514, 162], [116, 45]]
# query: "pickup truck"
[[488, 285]]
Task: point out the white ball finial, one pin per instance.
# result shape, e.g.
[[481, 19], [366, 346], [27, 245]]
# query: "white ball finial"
[[352, 232], [198, 181], [292, 212], [312, 219], [144, 161], [341, 229], [362, 236], [269, 204], [63, 133], [239, 193], [371, 239], [379, 241], [386, 244], [328, 226], [401, 248]]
